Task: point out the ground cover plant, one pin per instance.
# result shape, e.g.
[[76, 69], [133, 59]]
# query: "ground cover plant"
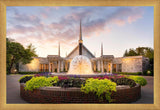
[[25, 78], [99, 87], [37, 82], [69, 82], [124, 81], [138, 79]]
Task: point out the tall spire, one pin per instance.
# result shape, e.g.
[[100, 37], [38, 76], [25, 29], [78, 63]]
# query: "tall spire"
[[80, 40], [59, 49], [80, 34], [101, 49]]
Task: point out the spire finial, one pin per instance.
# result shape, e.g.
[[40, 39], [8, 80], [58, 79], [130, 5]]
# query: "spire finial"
[[101, 49], [80, 40], [80, 33], [59, 49]]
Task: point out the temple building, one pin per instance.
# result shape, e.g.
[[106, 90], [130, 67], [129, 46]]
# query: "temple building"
[[104, 63]]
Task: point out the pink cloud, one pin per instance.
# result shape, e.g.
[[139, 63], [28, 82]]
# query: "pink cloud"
[[133, 18], [119, 22], [44, 15], [57, 26]]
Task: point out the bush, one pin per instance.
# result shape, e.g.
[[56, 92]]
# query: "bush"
[[37, 82], [148, 73], [25, 78], [126, 73], [138, 79], [28, 72], [124, 81], [100, 87], [70, 82]]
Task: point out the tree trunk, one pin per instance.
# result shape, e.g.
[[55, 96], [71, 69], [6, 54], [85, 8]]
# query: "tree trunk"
[[12, 62]]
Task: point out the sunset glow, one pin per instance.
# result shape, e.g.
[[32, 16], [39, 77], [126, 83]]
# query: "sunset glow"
[[118, 28]]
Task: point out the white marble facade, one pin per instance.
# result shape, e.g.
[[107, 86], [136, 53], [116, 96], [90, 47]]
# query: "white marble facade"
[[104, 63]]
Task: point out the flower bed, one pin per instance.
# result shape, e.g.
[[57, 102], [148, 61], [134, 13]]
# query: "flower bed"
[[105, 89]]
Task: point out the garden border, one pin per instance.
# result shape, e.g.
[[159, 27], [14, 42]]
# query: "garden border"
[[124, 94]]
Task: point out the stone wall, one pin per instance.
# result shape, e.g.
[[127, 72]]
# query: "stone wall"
[[34, 65], [132, 64], [145, 64], [117, 60]]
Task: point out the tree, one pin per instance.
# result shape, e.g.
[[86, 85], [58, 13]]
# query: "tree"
[[140, 51], [126, 53], [144, 51], [132, 52], [16, 53]]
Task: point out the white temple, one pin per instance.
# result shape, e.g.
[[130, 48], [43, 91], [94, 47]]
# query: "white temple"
[[104, 63]]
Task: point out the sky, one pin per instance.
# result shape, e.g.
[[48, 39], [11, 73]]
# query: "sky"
[[118, 28]]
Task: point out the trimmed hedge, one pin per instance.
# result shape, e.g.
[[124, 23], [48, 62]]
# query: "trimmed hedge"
[[29, 72], [126, 73]]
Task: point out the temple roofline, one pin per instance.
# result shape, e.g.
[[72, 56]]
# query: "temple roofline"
[[82, 54]]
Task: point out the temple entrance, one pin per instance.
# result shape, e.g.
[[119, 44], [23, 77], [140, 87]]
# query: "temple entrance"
[[114, 68]]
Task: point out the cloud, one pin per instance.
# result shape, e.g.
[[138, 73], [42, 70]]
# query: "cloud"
[[134, 18], [119, 22], [34, 29]]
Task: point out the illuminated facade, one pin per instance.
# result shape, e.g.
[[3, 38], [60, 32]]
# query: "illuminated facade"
[[104, 63]]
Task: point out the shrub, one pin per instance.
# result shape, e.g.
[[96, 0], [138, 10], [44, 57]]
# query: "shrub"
[[37, 82], [25, 78], [138, 79], [28, 72], [124, 81], [70, 82], [126, 73], [100, 87], [148, 73]]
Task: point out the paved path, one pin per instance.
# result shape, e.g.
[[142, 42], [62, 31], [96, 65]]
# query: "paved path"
[[13, 90], [147, 93]]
